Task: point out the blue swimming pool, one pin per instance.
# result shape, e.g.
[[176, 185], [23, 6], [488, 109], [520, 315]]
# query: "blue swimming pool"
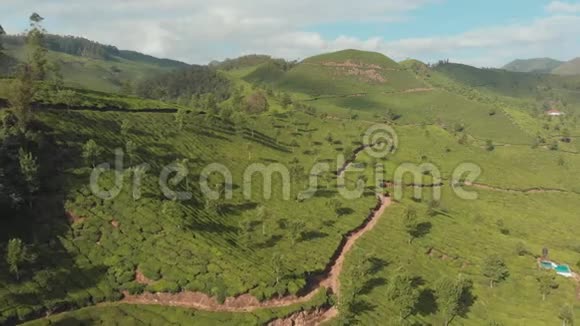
[[563, 269]]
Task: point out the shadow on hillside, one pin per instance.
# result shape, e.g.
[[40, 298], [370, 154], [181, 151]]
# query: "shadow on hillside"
[[46, 283], [427, 304], [422, 230], [238, 209], [313, 235], [72, 321], [271, 242]]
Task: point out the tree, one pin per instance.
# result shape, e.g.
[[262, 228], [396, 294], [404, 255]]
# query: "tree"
[[463, 139], [126, 87], [296, 230], [126, 126], [35, 43], [91, 152], [521, 249], [360, 272], [494, 269], [489, 145], [171, 210], [433, 208], [179, 119], [263, 214], [131, 150], [29, 169], [335, 205], [449, 292], [278, 265], [256, 103], [567, 315], [210, 103], [329, 138], [67, 97], [16, 255], [286, 100], [411, 223], [245, 230], [22, 91], [239, 120], [2, 33], [402, 294], [249, 148], [546, 283]]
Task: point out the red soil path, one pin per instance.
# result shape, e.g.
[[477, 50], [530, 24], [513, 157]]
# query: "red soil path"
[[248, 303]]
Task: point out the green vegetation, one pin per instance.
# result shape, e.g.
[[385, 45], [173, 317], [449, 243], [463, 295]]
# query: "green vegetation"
[[428, 260]]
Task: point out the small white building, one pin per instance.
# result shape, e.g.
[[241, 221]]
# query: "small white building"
[[554, 113]]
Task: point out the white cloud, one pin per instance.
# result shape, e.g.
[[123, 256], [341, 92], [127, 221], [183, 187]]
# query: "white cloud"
[[551, 36], [199, 31], [563, 7]]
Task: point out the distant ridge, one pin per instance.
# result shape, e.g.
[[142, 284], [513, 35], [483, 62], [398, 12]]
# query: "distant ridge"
[[571, 67], [537, 65]]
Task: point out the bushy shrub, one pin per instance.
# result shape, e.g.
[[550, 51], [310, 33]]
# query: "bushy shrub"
[[196, 286], [294, 286], [163, 286], [150, 272], [24, 312], [133, 288]]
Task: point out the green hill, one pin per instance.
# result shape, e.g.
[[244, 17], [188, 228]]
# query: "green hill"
[[90, 65], [539, 65], [339, 73]]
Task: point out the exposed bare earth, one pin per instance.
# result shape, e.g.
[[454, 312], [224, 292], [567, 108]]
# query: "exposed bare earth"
[[142, 279], [306, 318], [73, 218]]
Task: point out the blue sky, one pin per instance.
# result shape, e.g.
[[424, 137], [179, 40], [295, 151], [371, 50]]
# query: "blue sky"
[[489, 33], [441, 18]]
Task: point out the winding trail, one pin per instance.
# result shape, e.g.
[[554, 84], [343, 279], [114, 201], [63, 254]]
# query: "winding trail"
[[247, 303], [329, 280], [535, 190]]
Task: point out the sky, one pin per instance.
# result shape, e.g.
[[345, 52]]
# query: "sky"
[[481, 33]]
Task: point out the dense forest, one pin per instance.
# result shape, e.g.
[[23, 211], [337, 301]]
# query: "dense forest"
[[184, 83], [250, 61], [82, 47]]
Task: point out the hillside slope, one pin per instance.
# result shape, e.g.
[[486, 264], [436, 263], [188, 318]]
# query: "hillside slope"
[[571, 67]]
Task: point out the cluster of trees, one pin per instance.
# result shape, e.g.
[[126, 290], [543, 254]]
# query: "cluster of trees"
[[18, 165], [402, 293], [71, 45], [83, 47], [251, 60], [2, 34], [185, 83], [23, 163]]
